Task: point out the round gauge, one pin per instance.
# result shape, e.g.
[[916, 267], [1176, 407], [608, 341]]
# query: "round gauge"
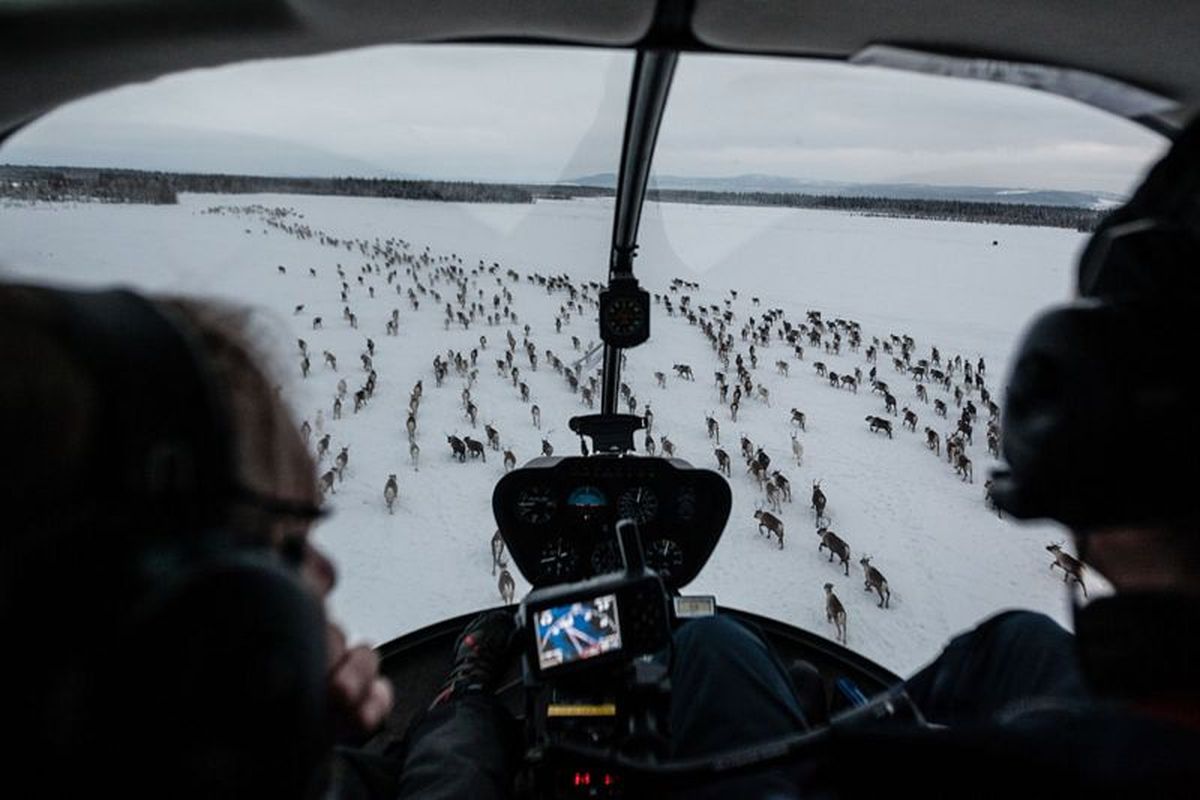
[[685, 503], [536, 505], [587, 497], [606, 558], [558, 561], [625, 316], [639, 504], [665, 557]]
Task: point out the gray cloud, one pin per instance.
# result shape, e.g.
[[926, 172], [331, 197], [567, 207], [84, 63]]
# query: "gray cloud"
[[543, 114]]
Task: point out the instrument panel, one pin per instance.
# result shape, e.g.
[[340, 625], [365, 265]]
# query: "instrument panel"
[[558, 516]]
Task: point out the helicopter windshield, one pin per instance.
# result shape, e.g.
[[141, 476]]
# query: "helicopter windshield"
[[442, 215]]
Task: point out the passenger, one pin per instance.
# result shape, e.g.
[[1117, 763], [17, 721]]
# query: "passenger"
[[158, 586]]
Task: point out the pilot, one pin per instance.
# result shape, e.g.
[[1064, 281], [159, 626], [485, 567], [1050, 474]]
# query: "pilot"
[[1099, 435]]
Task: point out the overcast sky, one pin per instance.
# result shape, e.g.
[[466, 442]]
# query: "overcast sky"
[[542, 114]]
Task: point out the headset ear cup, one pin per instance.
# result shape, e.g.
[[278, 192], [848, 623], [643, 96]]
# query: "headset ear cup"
[[224, 684], [1096, 396]]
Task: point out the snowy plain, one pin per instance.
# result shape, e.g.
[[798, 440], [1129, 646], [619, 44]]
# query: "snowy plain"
[[967, 288]]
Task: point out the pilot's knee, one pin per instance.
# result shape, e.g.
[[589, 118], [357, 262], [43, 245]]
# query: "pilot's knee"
[[709, 635]]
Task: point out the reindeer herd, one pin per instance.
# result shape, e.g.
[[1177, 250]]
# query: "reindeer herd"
[[482, 300]]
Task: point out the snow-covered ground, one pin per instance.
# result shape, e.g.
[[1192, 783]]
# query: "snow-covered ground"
[[968, 289]]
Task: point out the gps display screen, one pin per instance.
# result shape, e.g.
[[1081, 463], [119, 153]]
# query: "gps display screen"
[[577, 631]]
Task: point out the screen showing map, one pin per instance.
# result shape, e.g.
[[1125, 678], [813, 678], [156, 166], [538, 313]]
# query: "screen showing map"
[[577, 631]]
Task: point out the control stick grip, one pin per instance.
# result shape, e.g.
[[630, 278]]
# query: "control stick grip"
[[630, 542]]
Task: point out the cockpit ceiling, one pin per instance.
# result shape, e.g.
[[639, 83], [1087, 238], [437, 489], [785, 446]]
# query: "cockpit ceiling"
[[54, 50]]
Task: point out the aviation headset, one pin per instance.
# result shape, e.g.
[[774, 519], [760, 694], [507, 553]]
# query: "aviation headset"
[[171, 655], [1098, 427]]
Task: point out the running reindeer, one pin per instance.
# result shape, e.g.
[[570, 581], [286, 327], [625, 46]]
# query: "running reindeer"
[[835, 613], [818, 503], [390, 491], [771, 523], [875, 582], [1072, 567], [837, 547], [507, 586]]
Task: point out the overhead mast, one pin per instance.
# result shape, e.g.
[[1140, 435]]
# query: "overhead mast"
[[652, 73]]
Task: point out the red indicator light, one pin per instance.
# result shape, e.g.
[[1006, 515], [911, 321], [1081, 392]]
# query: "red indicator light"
[[583, 779], [609, 780]]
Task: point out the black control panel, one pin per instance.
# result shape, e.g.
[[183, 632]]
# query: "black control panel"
[[558, 516]]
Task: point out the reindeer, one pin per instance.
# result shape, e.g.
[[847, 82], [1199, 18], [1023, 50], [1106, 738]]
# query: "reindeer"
[[889, 403], [330, 360], [667, 446], [325, 482], [493, 437], [507, 586], [876, 582], [782, 368], [714, 430], [547, 448], [879, 424], [783, 484], [661, 379], [343, 458], [837, 547], [822, 370], [939, 408], [390, 490], [648, 445], [993, 444], [773, 499], [684, 371], [990, 500], [475, 448], [962, 465], [798, 418], [910, 419], [818, 502], [835, 613], [964, 428], [317, 324], [797, 450], [536, 414], [337, 408], [723, 465], [933, 441], [510, 460], [414, 454], [305, 431], [498, 552], [772, 524], [322, 447], [458, 449], [1072, 567]]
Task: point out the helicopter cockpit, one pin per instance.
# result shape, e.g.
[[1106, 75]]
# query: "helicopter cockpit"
[[608, 546]]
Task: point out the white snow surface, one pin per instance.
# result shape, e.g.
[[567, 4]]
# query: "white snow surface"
[[949, 561]]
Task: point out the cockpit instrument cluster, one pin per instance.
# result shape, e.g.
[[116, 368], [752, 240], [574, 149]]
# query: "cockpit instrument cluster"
[[558, 516]]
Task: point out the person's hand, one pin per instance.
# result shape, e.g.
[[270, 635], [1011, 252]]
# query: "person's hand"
[[360, 697]]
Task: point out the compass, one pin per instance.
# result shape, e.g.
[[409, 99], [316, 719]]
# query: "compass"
[[624, 313]]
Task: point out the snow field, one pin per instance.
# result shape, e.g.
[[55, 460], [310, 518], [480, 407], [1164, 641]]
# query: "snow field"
[[948, 560]]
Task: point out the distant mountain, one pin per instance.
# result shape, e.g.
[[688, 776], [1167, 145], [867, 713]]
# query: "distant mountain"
[[896, 191]]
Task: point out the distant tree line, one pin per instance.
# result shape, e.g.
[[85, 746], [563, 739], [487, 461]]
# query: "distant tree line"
[[139, 186], [56, 184], [1081, 219]]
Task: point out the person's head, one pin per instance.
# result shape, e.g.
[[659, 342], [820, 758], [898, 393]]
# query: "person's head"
[[154, 479], [1098, 434]]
